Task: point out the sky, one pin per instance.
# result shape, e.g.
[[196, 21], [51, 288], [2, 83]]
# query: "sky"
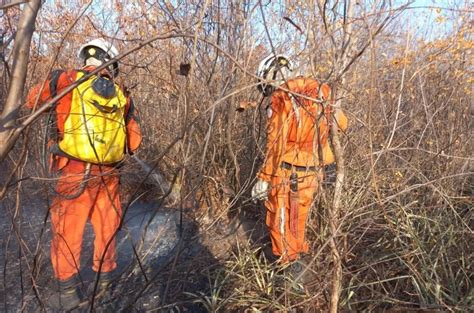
[[427, 19]]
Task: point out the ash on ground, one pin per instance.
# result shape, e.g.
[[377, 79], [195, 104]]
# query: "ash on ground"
[[157, 268]]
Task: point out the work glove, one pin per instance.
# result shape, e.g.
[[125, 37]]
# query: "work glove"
[[260, 190]]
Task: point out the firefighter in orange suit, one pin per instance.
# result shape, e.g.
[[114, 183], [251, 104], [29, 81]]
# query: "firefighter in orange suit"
[[297, 150], [96, 127]]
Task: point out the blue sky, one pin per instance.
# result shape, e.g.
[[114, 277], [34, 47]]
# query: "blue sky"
[[430, 19], [421, 19]]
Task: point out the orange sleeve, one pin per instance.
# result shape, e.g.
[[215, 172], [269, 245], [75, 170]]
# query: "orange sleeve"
[[52, 85], [33, 94], [277, 131], [325, 91], [134, 134]]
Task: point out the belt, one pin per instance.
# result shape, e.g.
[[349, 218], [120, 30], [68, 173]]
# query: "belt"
[[289, 166]]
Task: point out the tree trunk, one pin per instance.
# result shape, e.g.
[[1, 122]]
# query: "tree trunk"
[[21, 53], [334, 211]]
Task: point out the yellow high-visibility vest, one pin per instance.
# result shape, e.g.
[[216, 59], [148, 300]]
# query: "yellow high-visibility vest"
[[95, 129]]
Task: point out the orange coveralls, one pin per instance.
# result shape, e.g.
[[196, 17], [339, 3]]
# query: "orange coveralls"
[[99, 200], [292, 148]]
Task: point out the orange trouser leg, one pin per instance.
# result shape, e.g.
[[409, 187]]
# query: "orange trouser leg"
[[68, 218], [105, 219], [284, 243]]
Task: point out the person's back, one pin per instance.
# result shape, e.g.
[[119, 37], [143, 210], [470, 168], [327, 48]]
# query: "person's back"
[[95, 129], [298, 116], [297, 150]]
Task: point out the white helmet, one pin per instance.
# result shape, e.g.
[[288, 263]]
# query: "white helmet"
[[272, 71], [101, 50]]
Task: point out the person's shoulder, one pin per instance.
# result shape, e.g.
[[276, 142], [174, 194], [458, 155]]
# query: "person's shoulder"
[[310, 80], [301, 83], [65, 77]]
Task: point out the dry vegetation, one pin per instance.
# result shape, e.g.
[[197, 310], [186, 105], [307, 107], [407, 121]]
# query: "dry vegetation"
[[404, 222]]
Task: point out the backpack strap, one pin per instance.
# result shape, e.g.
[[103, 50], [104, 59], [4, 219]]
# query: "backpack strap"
[[53, 90], [131, 111], [51, 135], [53, 82]]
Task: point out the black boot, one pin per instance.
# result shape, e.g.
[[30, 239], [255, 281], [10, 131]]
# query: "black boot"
[[106, 280], [68, 296], [268, 254]]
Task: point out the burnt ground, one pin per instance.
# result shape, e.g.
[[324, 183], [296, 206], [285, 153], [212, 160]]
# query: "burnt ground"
[[157, 268]]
